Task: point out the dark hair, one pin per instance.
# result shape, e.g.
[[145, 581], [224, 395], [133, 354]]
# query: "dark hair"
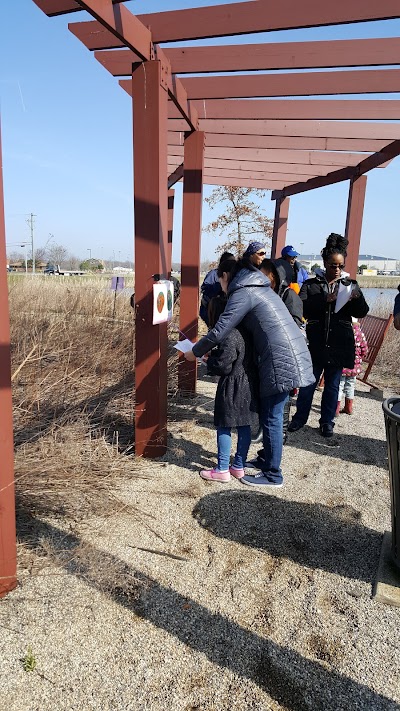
[[269, 266], [225, 256], [216, 307], [227, 266], [335, 244]]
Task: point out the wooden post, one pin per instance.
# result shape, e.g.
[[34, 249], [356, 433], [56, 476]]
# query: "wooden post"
[[171, 198], [355, 210], [151, 256], [280, 227], [8, 546], [193, 164]]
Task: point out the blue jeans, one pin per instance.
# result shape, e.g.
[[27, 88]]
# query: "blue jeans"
[[224, 441], [271, 419], [329, 401], [347, 386]]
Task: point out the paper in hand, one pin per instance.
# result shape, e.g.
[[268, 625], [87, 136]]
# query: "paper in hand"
[[343, 296], [184, 346]]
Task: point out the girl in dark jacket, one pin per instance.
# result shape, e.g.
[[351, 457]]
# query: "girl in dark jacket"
[[330, 301], [235, 400]]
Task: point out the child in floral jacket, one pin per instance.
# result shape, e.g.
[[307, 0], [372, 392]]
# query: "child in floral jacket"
[[348, 379]]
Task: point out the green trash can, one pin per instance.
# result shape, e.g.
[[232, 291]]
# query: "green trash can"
[[391, 410]]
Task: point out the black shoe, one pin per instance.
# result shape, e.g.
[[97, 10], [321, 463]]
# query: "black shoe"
[[294, 426], [326, 430]]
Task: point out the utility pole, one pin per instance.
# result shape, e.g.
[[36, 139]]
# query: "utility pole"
[[31, 223]]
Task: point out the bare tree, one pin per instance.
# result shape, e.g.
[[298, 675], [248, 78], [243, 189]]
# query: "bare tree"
[[241, 220], [56, 253], [15, 256]]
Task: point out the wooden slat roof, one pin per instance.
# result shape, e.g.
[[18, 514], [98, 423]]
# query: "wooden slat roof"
[[257, 131]]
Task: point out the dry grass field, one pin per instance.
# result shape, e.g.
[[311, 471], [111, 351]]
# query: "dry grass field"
[[72, 393]]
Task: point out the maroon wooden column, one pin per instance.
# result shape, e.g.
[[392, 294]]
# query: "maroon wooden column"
[[280, 227], [193, 163], [8, 547], [171, 198], [151, 250], [355, 209]]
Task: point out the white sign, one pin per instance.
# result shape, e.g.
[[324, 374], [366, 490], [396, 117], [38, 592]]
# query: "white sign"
[[160, 302]]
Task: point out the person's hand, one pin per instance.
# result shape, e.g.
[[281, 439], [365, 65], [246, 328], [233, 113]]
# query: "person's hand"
[[190, 356]]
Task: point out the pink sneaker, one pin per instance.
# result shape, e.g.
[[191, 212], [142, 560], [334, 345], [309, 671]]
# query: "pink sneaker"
[[237, 473], [215, 475]]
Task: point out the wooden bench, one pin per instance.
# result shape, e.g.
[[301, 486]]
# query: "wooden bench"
[[375, 329]]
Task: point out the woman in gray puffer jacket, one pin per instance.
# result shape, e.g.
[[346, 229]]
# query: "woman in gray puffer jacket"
[[281, 355]]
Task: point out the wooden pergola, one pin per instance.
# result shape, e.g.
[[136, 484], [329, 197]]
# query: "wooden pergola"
[[255, 130]]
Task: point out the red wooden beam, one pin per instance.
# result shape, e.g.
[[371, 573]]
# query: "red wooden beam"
[[94, 36], [253, 57], [285, 142], [191, 242], [61, 7], [277, 156], [280, 227], [175, 176], [127, 28], [281, 177], [244, 183], [257, 166], [355, 210], [151, 250], [248, 17], [306, 128], [8, 546], [122, 24], [283, 55], [346, 109], [374, 161], [371, 81]]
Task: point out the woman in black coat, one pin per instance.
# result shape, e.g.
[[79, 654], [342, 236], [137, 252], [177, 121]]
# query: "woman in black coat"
[[235, 401], [330, 300]]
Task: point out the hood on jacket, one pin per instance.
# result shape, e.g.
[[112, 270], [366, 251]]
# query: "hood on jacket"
[[285, 271], [245, 277]]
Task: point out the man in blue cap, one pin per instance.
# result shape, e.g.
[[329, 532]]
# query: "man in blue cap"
[[289, 254]]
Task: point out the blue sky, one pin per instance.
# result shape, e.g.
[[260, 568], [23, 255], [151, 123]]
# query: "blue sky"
[[67, 144]]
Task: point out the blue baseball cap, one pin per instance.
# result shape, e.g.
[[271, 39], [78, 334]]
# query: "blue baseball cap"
[[289, 251]]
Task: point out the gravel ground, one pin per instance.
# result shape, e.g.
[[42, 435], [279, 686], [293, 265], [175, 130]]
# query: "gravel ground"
[[214, 596]]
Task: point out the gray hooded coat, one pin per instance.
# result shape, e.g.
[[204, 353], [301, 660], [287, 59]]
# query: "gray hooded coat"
[[281, 351]]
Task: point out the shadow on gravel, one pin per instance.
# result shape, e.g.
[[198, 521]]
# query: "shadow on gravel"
[[313, 535], [349, 447], [297, 683], [184, 452]]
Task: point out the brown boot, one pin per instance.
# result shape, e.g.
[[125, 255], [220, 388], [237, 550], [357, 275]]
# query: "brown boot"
[[337, 413], [348, 406]]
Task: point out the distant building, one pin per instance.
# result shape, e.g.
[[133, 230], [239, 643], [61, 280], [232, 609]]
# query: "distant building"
[[372, 261], [19, 266]]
